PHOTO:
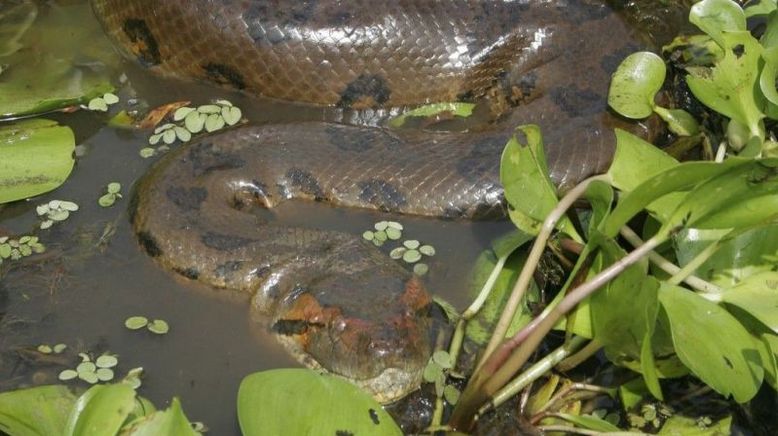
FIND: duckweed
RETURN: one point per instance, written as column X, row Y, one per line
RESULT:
column 112, row 194
column 100, row 104
column 55, row 211
column 15, row 249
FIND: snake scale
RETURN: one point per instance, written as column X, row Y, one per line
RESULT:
column 336, row 301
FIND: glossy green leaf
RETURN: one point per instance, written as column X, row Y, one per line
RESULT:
column 170, row 422
column 758, row 296
column 528, row 188
column 713, row 344
column 769, row 354
column 759, row 7
column 738, row 257
column 680, row 425
column 647, row 361
column 714, row 17
column 36, row 156
column 619, row 310
column 38, row 411
column 679, row 121
column 730, row 86
column 456, row 109
column 632, row 393
column 682, row 177
column 301, row 401
column 588, row 421
column 101, row 410
column 480, row 327
column 634, row 84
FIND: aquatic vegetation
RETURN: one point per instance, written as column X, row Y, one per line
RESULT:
column 100, row 104
column 55, row 211
column 157, row 326
column 15, row 249
column 113, row 193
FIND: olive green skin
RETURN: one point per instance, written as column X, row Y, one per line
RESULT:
column 334, row 299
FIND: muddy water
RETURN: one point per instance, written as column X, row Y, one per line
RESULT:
column 94, row 275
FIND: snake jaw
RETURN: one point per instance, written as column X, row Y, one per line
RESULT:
column 384, row 357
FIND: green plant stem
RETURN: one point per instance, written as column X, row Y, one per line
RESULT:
column 486, row 290
column 549, row 224
column 583, row 387
column 437, row 414
column 586, row 352
column 483, row 385
column 665, row 265
column 533, row 373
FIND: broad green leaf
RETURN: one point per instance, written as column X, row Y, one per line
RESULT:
column 588, row 421
column 600, row 196
column 540, row 399
column 456, row 109
column 679, row 121
column 714, row 17
column 760, row 7
column 632, row 393
column 681, row 177
column 712, row 343
column 101, row 410
column 620, row 309
column 170, row 422
column 647, row 361
column 14, row 22
column 301, row 401
column 508, row 243
column 36, row 156
column 769, row 74
column 634, row 84
column 39, row 411
column 680, row 425
column 730, row 86
column 769, row 354
column 480, row 327
column 743, row 196
column 757, row 295
column 528, row 188
column 739, row 256
column 61, row 64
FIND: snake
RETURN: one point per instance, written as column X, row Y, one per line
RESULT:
column 333, row 299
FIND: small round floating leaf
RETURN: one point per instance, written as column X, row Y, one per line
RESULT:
column 32, row 240
column 89, row 377
column 84, row 357
column 451, row 394
column 67, row 374
column 59, row 215
column 43, row 209
column 397, row 253
column 194, row 122
column 637, row 79
column 427, row 250
column 97, row 104
column 432, row 372
column 182, row 113
column 395, row 225
column 378, row 242
column 136, row 322
column 104, row 374
column 69, row 206
column 412, row 256
column 154, row 139
column 420, row 269
column 38, row 247
column 442, row 358
column 25, row 239
column 85, row 367
column 393, row 233
column 106, row 361
column 368, row 235
column 381, row 226
column 381, row 236
column 59, row 348
column 411, row 244
column 147, row 152
column 231, row 115
column 159, row 327
column 209, row 109
column 182, row 134
column 223, row 102
column 169, row 136
column 114, row 187
column 214, row 122
column 5, row 251
column 45, row 349
column 110, row 98
column 107, row 200
column 25, row 250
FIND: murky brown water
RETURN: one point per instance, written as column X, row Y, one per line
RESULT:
column 81, row 290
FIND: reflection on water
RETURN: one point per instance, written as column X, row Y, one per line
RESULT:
column 94, row 275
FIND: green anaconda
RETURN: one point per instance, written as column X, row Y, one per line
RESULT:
column 337, row 301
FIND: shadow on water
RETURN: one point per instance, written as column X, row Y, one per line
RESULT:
column 93, row 275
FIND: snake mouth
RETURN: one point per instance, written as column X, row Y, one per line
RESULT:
column 385, row 356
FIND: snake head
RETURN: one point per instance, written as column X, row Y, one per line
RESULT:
column 376, row 334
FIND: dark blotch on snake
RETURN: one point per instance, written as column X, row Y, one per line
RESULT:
column 149, row 244
column 224, row 242
column 144, row 45
column 381, row 194
column 365, row 87
column 187, row 199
